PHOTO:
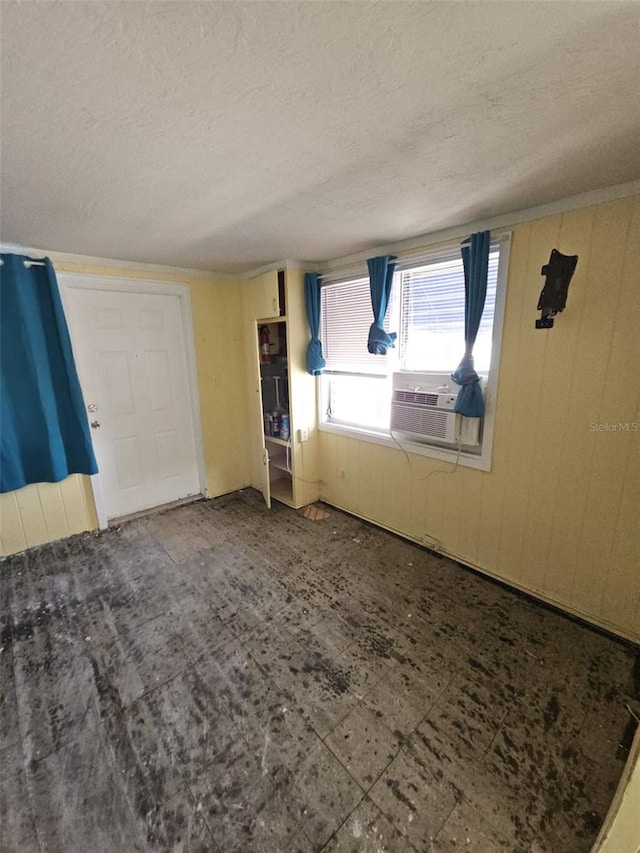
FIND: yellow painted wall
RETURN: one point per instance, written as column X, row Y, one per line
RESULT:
column 45, row 512
column 558, row 513
column 217, row 314
column 48, row 511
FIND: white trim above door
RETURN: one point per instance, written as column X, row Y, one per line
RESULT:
column 70, row 282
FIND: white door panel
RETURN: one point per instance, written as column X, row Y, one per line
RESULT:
column 131, row 358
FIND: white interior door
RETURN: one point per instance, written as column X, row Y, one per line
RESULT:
column 132, row 363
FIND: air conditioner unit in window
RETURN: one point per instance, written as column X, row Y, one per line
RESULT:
column 422, row 410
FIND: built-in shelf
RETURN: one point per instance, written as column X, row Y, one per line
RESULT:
column 274, row 440
column 270, row 321
column 281, row 491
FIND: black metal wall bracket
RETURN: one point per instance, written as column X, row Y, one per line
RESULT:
column 553, row 297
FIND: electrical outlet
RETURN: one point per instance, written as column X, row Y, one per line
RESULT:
column 303, row 434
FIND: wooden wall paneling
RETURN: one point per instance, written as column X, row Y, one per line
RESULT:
column 12, row 534
column 528, row 358
column 53, row 510
column 620, row 604
column 31, row 515
column 616, row 250
column 550, row 429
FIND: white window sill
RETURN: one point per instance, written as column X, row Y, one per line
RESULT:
column 481, row 461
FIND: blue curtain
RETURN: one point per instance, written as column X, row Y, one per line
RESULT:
column 315, row 361
column 43, row 427
column 381, row 271
column 475, row 258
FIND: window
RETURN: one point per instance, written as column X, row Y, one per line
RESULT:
column 432, row 321
column 427, row 311
column 359, row 389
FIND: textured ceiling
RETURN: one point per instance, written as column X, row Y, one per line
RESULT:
column 229, row 135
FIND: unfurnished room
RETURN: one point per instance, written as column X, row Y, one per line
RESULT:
column 320, row 426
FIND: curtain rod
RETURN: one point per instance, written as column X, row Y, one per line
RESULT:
column 28, row 263
column 358, row 268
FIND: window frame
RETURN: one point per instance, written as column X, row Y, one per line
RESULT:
column 482, row 460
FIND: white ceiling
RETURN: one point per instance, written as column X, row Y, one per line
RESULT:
column 225, row 136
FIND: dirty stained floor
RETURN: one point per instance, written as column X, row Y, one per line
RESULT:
column 222, row 678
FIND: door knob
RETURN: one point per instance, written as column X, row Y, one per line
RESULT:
column 95, row 425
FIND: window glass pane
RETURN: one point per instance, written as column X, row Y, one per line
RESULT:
column 359, row 400
column 432, row 332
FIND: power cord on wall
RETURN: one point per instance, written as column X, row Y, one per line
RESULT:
column 431, row 473
column 400, row 446
column 295, row 476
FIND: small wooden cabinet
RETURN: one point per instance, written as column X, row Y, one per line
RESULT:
column 264, row 296
column 284, row 469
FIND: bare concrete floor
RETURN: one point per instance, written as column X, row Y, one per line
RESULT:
column 223, row 678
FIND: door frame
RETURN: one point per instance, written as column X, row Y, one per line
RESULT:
column 84, row 281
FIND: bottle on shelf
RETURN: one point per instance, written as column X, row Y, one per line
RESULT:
column 279, row 413
column 285, row 427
